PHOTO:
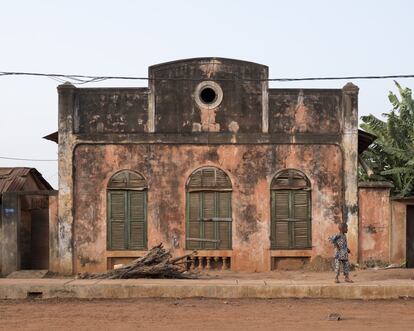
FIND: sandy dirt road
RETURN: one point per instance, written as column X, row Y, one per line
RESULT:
column 359, row 276
column 205, row 314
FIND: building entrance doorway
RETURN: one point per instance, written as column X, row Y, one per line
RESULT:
column 33, row 235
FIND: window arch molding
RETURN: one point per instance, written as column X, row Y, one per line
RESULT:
column 127, row 211
column 127, row 179
column 290, row 210
column 209, row 177
column 290, row 178
column 208, row 209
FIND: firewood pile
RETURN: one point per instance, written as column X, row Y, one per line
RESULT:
column 157, row 263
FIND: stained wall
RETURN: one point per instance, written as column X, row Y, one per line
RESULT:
column 167, row 168
column 398, row 232
column 374, row 222
column 241, row 85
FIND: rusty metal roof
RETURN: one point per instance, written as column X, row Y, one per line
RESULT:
column 364, row 140
column 13, row 179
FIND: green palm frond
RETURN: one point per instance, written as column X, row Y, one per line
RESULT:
column 373, row 124
column 396, row 171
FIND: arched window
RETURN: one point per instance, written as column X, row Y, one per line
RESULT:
column 127, row 212
column 208, row 210
column 291, row 220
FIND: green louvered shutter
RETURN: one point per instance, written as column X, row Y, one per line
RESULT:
column 290, row 219
column 117, row 220
column 209, row 213
column 209, row 177
column 224, row 226
column 301, row 225
column 137, row 219
column 209, row 210
column 280, row 226
column 194, row 220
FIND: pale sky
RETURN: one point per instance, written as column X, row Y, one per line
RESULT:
column 294, row 38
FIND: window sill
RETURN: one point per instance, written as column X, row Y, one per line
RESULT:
column 126, row 253
column 291, row 252
column 212, row 252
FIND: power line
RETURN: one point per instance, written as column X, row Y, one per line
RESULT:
column 21, row 159
column 83, row 79
column 337, row 78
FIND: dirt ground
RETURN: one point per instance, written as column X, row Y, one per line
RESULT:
column 358, row 275
column 214, row 314
column 205, row 314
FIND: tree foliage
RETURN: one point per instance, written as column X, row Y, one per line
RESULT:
column 391, row 156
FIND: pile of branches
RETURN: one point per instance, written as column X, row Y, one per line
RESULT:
column 158, row 263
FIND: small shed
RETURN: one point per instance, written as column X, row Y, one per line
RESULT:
column 24, row 219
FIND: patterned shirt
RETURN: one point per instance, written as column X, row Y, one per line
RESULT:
column 341, row 245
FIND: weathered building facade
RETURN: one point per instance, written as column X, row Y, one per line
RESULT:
column 208, row 157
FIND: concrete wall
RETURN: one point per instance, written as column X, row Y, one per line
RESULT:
column 398, row 232
column 241, row 107
column 374, row 222
column 167, row 168
column 10, row 229
column 382, row 224
column 111, row 111
column 305, row 111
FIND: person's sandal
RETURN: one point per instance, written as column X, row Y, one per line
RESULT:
column 347, row 280
column 337, row 281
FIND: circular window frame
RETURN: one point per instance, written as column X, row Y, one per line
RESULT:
column 215, row 87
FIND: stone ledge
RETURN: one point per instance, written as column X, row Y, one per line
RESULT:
column 266, row 289
column 383, row 184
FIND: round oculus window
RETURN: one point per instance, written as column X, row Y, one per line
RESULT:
column 208, row 94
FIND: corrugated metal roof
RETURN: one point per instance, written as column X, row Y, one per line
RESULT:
column 364, row 140
column 13, row 179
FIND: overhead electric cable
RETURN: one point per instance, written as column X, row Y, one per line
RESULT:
column 22, row 159
column 84, row 79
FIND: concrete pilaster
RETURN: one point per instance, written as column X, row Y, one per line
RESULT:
column 151, row 105
column 350, row 165
column 54, row 258
column 64, row 250
column 265, row 106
